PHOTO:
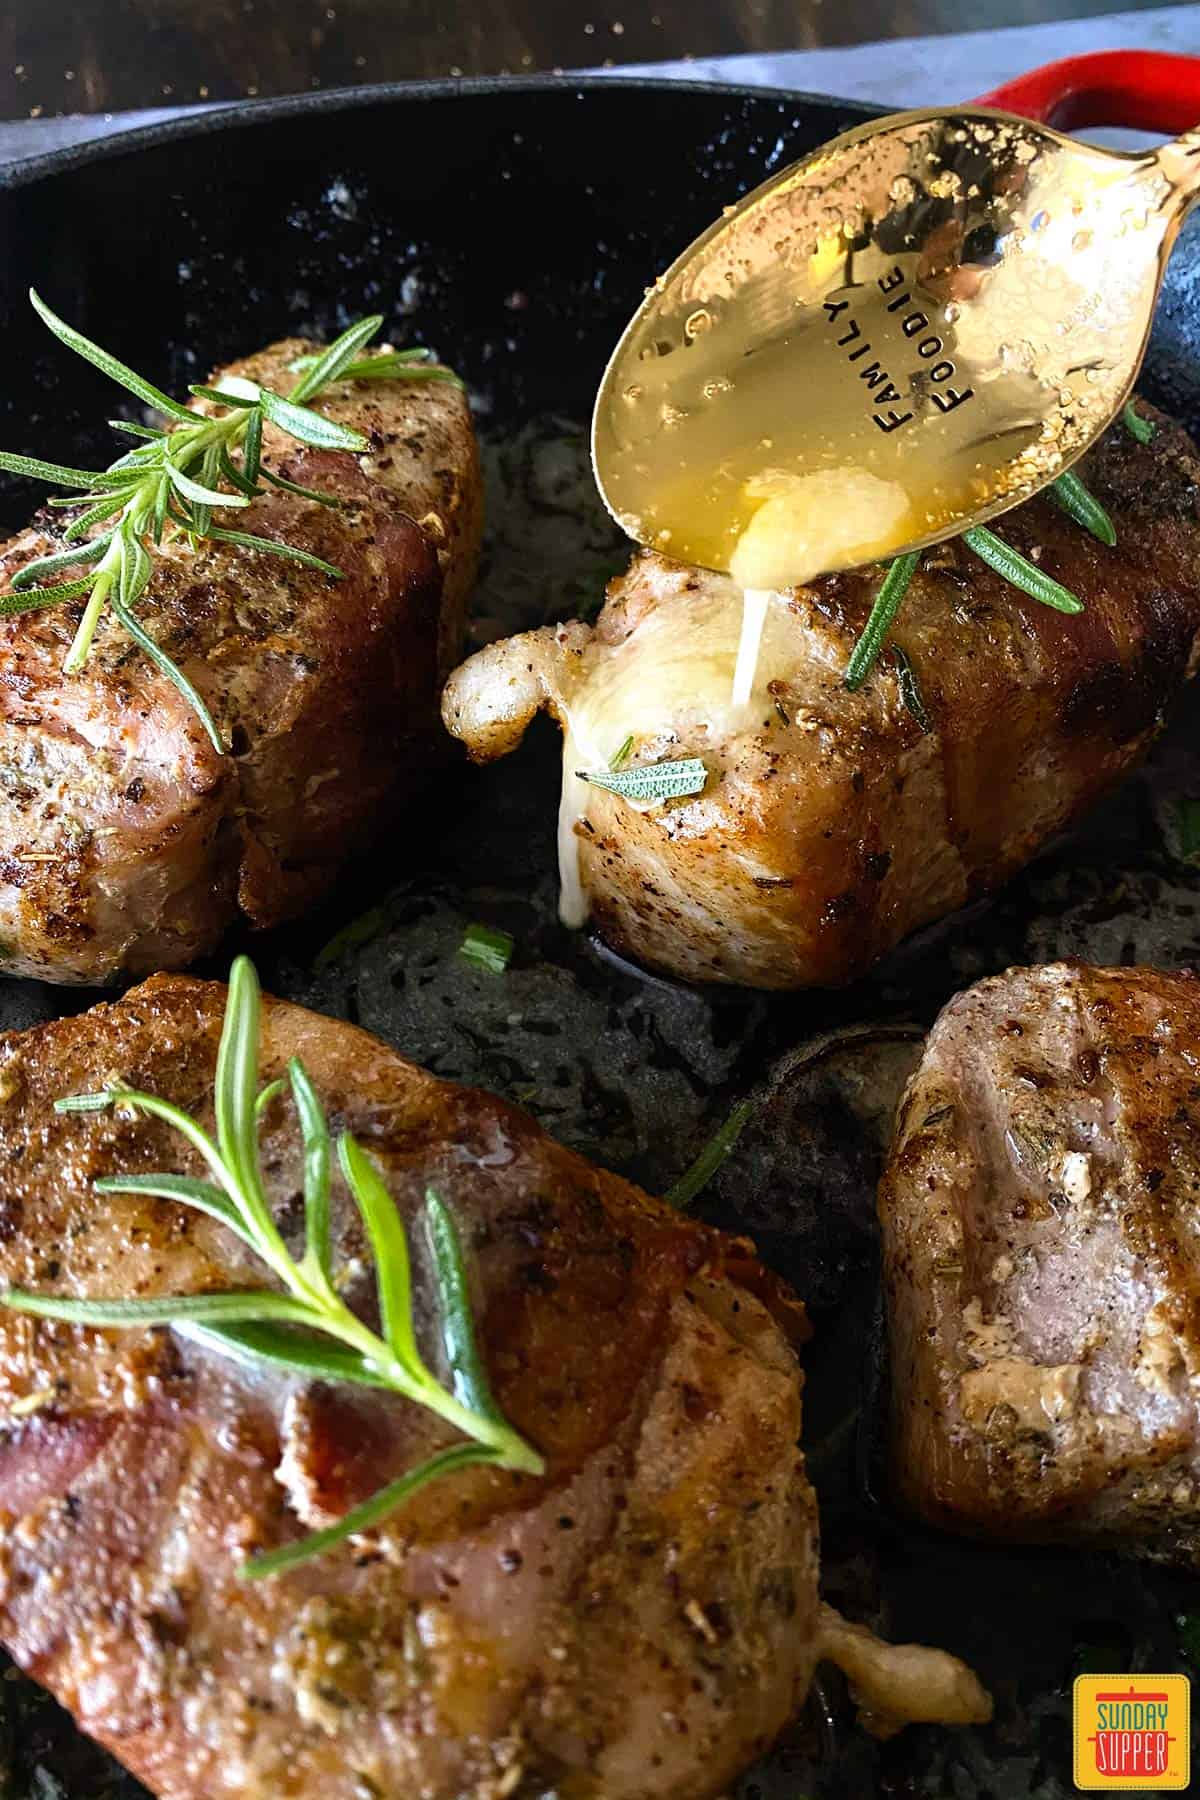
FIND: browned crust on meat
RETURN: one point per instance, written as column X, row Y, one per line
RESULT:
column 635, row 1625
column 1042, row 1269
column 127, row 842
column 422, row 450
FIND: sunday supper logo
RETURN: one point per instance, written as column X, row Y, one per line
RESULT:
column 1132, row 1733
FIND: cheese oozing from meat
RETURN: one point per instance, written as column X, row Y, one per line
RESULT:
column 669, row 686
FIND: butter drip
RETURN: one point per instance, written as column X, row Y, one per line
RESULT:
column 804, row 525
column 755, row 602
column 669, row 686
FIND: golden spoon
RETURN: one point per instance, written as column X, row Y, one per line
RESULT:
column 902, row 335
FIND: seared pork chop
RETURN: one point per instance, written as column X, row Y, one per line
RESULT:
column 1043, row 1265
column 636, row 1624
column 127, row 842
column 834, row 823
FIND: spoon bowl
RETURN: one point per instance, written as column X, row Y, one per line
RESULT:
column 909, row 331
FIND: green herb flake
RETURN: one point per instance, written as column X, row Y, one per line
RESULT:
column 1100, row 1659
column 1137, row 427
column 303, row 1324
column 910, row 689
column 623, row 755
column 353, row 936
column 654, row 782
column 487, row 949
column 1186, row 830
column 711, row 1156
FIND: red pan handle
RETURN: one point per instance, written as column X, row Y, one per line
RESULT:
column 1148, row 89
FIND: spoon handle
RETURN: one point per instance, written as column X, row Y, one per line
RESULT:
column 1149, row 90
column 1179, row 161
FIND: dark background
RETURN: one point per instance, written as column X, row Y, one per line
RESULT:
column 105, row 55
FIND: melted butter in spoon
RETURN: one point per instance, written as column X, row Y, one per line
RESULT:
column 804, row 524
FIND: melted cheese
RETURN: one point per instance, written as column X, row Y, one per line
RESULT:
column 1035, row 1392
column 669, row 684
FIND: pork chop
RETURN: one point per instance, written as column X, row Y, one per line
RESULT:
column 636, row 1624
column 1043, row 1262
column 128, row 843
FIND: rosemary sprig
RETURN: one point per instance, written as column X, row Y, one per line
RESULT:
column 887, row 605
column 394, row 365
column 1074, row 499
column 173, row 479
column 303, row 1324
column 1016, row 569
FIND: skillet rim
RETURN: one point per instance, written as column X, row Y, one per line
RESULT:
column 240, row 114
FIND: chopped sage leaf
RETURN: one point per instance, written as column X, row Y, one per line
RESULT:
column 651, row 781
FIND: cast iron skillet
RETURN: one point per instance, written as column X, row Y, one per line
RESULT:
column 514, row 225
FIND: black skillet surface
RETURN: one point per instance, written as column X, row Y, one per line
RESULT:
column 514, row 226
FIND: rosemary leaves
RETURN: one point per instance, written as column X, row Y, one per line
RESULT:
column 176, row 477
column 1068, row 491
column 302, row 1324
